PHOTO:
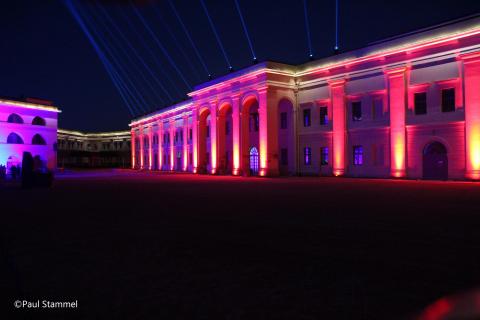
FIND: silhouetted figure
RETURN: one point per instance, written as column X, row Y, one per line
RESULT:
column 27, row 170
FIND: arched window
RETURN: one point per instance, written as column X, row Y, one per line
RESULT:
column 253, row 161
column 14, row 138
column 38, row 140
column 38, row 121
column 15, row 118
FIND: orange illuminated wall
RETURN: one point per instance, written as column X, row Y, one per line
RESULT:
column 337, row 95
column 471, row 72
column 397, row 103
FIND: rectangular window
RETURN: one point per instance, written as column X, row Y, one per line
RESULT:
column 323, row 116
column 358, row 155
column 324, row 156
column 306, row 118
column 420, row 103
column 377, row 109
column 307, row 156
column 256, row 121
column 283, row 120
column 356, row 111
column 284, row 156
column 227, row 128
column 448, row 100
column 253, row 124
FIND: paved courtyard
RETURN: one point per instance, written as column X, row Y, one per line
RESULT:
column 131, row 245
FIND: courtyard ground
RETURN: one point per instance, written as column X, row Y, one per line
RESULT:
column 136, row 245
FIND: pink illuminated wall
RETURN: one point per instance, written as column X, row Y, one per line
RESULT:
column 471, row 62
column 337, row 93
column 397, row 104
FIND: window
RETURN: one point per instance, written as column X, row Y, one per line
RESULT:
column 356, row 111
column 14, row 118
column 254, row 122
column 324, row 156
column 190, row 134
column 37, row 121
column 283, row 120
column 14, row 138
column 307, row 156
column 284, row 156
column 208, row 131
column 358, row 155
column 377, row 109
column 227, row 128
column 420, row 101
column 448, row 100
column 306, row 118
column 38, row 140
column 323, row 116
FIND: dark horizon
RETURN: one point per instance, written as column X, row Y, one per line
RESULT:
column 46, row 54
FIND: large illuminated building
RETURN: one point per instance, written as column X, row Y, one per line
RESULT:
column 93, row 150
column 28, row 125
column 406, row 107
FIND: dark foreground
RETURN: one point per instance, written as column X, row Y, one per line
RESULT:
column 131, row 245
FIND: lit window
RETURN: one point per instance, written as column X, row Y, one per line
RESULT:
column 356, row 111
column 448, row 100
column 307, row 156
column 323, row 115
column 358, row 155
column 306, row 118
column 420, row 101
column 324, row 156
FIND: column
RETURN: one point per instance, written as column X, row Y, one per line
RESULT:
column 397, row 92
column 171, row 129
column 185, row 142
column 132, row 144
column 236, row 134
column 213, row 136
column 471, row 82
column 160, row 143
column 263, row 131
column 195, row 138
column 150, row 148
column 337, row 95
column 141, row 148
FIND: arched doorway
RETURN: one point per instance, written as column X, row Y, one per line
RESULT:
column 435, row 161
column 225, row 139
column 250, row 128
column 253, row 161
column 204, row 141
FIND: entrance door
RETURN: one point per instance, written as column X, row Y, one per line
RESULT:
column 253, row 161
column 435, row 162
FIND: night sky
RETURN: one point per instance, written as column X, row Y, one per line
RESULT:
column 45, row 54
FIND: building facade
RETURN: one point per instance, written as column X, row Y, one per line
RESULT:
column 28, row 126
column 406, row 107
column 93, row 150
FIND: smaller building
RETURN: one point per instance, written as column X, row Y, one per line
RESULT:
column 93, row 150
column 28, row 125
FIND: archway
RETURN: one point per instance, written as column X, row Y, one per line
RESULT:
column 286, row 152
column 225, row 139
column 204, row 141
column 253, row 161
column 435, row 161
column 250, row 127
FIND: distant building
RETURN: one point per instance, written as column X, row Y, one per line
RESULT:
column 93, row 150
column 406, row 107
column 28, row 125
